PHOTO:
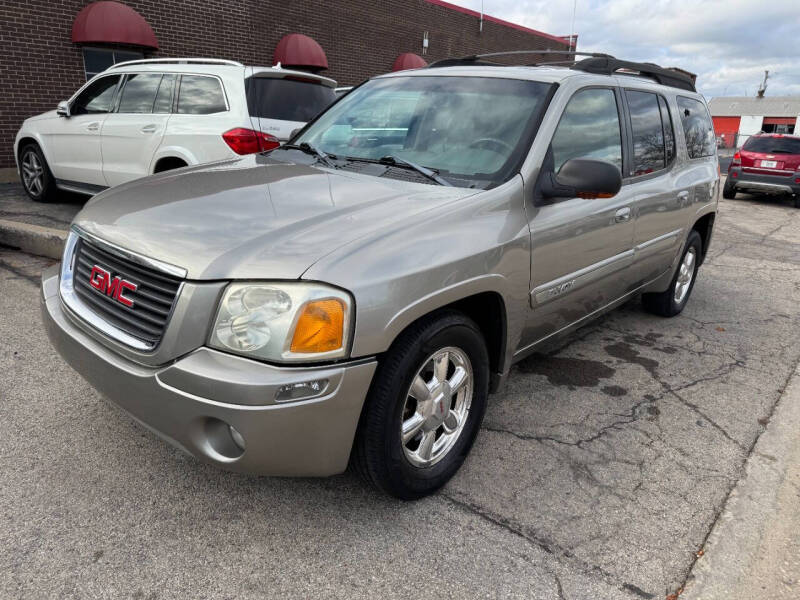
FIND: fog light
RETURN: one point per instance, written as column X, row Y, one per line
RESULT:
column 302, row 390
column 237, row 437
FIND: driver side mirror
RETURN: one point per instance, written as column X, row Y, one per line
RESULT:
column 582, row 178
column 63, row 109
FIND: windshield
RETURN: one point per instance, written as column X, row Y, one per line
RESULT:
column 287, row 99
column 772, row 145
column 474, row 131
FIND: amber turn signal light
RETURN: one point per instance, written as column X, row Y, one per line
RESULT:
column 320, row 327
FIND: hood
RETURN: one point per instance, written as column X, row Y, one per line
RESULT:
column 50, row 114
column 254, row 217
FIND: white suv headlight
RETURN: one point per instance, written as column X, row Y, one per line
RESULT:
column 283, row 322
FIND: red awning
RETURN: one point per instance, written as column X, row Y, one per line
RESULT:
column 408, row 60
column 298, row 50
column 112, row 23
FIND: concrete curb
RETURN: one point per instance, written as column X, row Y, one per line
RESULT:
column 34, row 239
column 746, row 550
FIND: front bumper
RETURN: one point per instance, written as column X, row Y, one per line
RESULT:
column 188, row 402
column 766, row 184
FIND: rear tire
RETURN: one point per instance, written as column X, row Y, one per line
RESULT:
column 728, row 191
column 797, row 201
column 37, row 179
column 412, row 397
column 673, row 300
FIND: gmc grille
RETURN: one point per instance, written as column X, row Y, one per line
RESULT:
column 153, row 298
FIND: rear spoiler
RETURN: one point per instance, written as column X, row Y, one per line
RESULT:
column 278, row 72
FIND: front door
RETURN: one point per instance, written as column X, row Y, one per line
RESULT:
column 581, row 249
column 74, row 141
column 132, row 134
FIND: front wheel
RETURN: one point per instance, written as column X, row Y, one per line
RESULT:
column 424, row 408
column 672, row 301
column 36, row 176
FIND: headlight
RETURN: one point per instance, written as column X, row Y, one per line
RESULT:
column 283, row 322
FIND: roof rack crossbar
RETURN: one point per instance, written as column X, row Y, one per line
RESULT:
column 178, row 61
column 608, row 65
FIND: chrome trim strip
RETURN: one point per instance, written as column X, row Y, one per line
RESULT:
column 658, row 240
column 158, row 265
column 73, row 302
column 557, row 287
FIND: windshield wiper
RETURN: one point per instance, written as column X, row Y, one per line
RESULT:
column 314, row 151
column 396, row 161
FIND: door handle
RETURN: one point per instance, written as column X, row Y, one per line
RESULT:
column 622, row 215
column 148, row 129
column 93, row 126
column 683, row 198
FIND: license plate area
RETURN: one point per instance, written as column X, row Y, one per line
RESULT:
column 769, row 164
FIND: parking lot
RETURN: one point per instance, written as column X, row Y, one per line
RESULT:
column 599, row 471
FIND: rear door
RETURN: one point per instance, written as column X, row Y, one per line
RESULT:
column 656, row 178
column 280, row 103
column 74, row 141
column 131, row 135
column 581, row 249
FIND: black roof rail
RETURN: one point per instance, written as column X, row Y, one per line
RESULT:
column 596, row 62
column 479, row 59
column 608, row 65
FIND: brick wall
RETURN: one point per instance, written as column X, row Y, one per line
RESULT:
column 39, row 64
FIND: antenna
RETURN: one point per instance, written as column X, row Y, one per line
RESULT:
column 572, row 26
column 763, row 87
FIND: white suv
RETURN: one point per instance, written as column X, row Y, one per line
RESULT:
column 146, row 116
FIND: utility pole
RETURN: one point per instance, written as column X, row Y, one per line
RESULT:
column 763, row 87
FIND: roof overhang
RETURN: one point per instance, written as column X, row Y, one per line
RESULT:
column 108, row 22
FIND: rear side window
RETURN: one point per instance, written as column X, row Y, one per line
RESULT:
column 200, row 95
column 139, row 93
column 649, row 153
column 163, row 103
column 287, row 99
column 589, row 128
column 772, row 145
column 697, row 128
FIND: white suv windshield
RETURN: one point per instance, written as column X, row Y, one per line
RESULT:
column 474, row 129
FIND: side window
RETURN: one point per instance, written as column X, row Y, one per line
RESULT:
column 647, row 132
column 669, row 131
column 697, row 127
column 589, row 128
column 200, row 95
column 139, row 93
column 163, row 103
column 97, row 97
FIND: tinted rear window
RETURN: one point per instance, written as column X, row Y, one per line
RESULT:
column 287, row 99
column 697, row 128
column 772, row 145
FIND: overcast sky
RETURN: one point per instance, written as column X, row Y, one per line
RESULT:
column 728, row 43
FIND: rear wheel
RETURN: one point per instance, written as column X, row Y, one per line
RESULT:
column 36, row 176
column 728, row 191
column 424, row 408
column 797, row 201
column 672, row 301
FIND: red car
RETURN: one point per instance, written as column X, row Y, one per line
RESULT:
column 768, row 163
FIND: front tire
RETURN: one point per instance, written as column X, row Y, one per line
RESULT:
column 673, row 300
column 37, row 180
column 424, row 408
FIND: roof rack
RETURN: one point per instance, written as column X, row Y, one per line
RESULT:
column 596, row 62
column 177, row 61
column 608, row 65
column 479, row 59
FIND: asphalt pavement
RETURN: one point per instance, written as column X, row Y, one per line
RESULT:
column 599, row 472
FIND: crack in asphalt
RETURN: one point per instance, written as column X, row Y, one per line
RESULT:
column 19, row 272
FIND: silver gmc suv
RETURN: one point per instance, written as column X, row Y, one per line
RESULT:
column 354, row 296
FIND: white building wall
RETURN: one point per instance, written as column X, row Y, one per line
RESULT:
column 749, row 125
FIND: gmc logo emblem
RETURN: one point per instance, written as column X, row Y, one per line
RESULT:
column 101, row 280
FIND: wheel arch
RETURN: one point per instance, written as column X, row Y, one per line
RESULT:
column 704, row 226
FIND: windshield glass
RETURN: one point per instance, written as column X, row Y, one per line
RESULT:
column 287, row 99
column 773, row 145
column 472, row 130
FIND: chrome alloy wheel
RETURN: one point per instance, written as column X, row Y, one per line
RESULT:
column 437, row 406
column 32, row 173
column 685, row 275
